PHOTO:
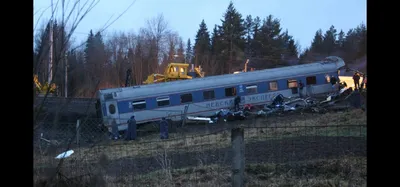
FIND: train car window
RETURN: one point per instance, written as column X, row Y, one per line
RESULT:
column 230, row 92
column 108, row 96
column 292, row 84
column 327, row 79
column 111, row 108
column 186, row 98
column 162, row 101
column 273, row 85
column 209, row 95
column 311, row 80
column 252, row 89
column 139, row 105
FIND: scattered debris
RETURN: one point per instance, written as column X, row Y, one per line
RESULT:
column 65, row 154
column 280, row 105
column 192, row 118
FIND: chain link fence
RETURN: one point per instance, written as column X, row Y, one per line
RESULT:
column 309, row 150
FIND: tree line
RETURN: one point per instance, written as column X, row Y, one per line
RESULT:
column 102, row 62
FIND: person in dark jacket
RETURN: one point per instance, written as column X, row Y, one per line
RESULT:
column 333, row 82
column 237, row 102
column 131, row 130
column 301, row 86
column 356, row 79
column 163, row 128
column 365, row 82
column 114, row 130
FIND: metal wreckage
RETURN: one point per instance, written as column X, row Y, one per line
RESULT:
column 344, row 98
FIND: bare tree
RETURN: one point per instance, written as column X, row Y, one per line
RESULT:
column 157, row 30
column 118, row 47
column 70, row 19
column 80, row 11
column 169, row 55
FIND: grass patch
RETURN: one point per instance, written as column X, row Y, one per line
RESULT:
column 345, row 171
column 265, row 129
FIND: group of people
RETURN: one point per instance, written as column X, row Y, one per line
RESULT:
column 309, row 89
column 356, row 79
column 335, row 82
column 131, row 134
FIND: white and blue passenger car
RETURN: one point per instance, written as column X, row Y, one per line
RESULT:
column 205, row 96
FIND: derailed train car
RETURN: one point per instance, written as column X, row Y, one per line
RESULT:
column 205, row 96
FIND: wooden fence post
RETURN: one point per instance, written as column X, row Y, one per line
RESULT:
column 77, row 131
column 237, row 140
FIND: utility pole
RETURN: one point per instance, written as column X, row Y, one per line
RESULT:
column 50, row 70
column 230, row 54
column 50, row 77
column 66, row 76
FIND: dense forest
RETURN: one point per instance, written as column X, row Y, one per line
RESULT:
column 102, row 62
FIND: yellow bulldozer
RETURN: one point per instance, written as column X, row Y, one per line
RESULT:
column 42, row 89
column 173, row 72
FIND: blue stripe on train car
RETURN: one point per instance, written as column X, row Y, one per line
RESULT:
column 197, row 96
column 321, row 79
column 302, row 79
column 151, row 103
column 262, row 87
column 175, row 99
column 282, row 84
column 219, row 93
column 124, row 107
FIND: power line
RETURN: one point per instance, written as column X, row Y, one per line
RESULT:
column 104, row 34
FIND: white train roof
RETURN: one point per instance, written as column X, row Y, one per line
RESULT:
column 331, row 63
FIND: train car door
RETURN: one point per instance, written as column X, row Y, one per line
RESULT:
column 112, row 111
column 241, row 92
column 311, row 81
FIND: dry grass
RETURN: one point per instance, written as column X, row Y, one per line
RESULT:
column 329, row 125
column 346, row 171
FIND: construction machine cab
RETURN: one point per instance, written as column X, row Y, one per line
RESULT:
column 174, row 71
column 177, row 71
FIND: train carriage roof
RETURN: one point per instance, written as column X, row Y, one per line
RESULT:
column 329, row 64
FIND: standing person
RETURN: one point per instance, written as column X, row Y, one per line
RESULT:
column 365, row 81
column 333, row 82
column 301, row 86
column 114, row 130
column 237, row 102
column 131, row 130
column 163, row 128
column 356, row 79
